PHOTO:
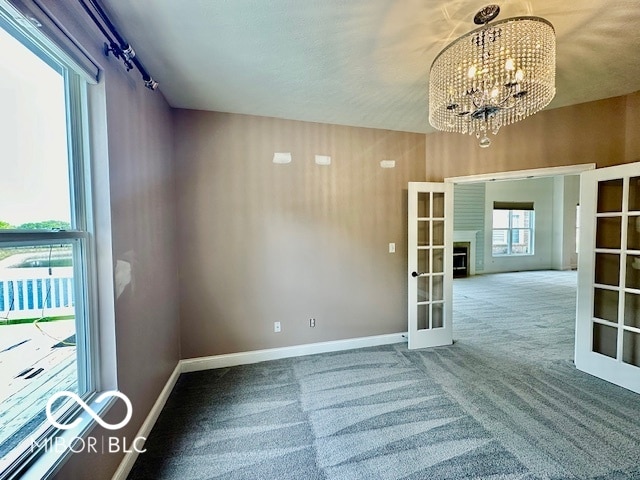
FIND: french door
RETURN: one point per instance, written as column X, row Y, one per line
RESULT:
column 430, row 271
column 608, row 310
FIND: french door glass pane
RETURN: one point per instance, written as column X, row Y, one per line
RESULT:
column 631, row 348
column 610, row 196
column 632, row 310
column 424, row 237
column 438, row 205
column 605, row 340
column 608, row 232
column 607, row 269
column 605, row 304
column 633, row 233
column 438, row 316
column 423, row 260
column 423, row 317
column 424, row 204
column 437, row 293
column 634, row 194
column 423, row 289
column 633, row 272
column 438, row 260
column 438, row 232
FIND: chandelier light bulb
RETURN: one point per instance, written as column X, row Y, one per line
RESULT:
column 477, row 84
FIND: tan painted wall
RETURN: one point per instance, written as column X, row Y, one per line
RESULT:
column 602, row 132
column 261, row 243
column 632, row 152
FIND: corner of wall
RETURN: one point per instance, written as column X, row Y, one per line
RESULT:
column 632, row 127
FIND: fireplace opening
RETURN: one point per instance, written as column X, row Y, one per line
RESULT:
column 461, row 259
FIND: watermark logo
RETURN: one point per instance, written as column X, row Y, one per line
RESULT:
column 103, row 396
column 110, row 444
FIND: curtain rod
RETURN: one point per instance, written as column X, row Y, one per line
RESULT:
column 118, row 45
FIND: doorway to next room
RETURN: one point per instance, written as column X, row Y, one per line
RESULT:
column 515, row 265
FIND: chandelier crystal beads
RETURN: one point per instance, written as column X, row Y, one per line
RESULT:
column 493, row 76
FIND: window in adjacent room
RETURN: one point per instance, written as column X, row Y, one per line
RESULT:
column 513, row 228
column 46, row 341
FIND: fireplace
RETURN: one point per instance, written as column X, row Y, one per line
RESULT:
column 464, row 244
column 461, row 259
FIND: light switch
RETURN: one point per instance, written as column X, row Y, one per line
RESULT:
column 392, row 248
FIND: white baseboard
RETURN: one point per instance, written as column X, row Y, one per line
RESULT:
column 243, row 358
column 255, row 356
column 130, row 457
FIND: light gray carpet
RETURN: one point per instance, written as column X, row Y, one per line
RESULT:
column 504, row 402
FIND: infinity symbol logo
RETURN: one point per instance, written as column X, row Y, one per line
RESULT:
column 89, row 410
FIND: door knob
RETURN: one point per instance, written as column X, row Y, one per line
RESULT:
column 416, row 274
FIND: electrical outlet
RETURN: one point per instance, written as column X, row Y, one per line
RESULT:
column 276, row 327
column 312, row 322
column 392, row 248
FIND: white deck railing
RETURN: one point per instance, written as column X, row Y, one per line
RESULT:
column 34, row 292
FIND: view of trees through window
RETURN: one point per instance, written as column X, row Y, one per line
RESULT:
column 42, row 225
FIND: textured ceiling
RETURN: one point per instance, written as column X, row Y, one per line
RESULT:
column 356, row 62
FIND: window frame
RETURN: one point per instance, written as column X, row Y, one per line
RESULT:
column 82, row 235
column 509, row 233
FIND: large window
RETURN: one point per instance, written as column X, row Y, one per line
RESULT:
column 46, row 336
column 513, row 228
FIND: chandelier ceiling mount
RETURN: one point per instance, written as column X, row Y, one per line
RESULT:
column 487, row 14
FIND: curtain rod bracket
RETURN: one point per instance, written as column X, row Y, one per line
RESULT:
column 118, row 46
column 117, row 53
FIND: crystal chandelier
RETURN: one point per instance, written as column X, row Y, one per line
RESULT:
column 495, row 75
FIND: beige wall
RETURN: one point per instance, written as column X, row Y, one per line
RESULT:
column 602, row 132
column 632, row 151
column 261, row 243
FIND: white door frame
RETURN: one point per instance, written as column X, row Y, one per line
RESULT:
column 523, row 174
